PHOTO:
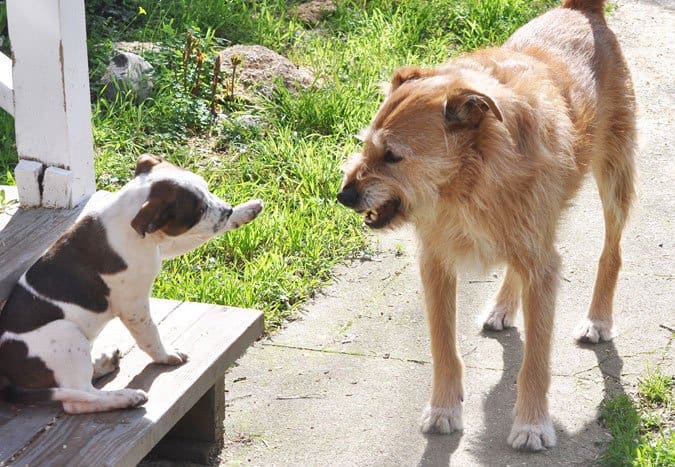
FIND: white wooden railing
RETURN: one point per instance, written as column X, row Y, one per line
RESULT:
column 45, row 86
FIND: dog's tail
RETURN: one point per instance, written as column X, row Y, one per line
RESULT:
column 18, row 395
column 590, row 6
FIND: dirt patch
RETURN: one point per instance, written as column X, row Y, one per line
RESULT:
column 313, row 12
column 260, row 68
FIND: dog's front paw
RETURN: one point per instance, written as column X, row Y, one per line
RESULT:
column 498, row 318
column 532, row 437
column 593, row 331
column 173, row 358
column 442, row 420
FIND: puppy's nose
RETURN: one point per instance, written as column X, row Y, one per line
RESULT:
column 228, row 211
column 348, row 195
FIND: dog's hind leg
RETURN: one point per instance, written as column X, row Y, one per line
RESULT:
column 532, row 428
column 502, row 312
column 614, row 173
column 444, row 413
column 69, row 359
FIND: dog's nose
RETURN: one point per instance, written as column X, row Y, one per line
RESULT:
column 228, row 211
column 348, row 195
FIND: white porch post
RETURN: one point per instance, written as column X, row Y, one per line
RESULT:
column 51, row 102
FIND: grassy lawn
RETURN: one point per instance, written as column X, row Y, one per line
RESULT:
column 291, row 158
column 642, row 428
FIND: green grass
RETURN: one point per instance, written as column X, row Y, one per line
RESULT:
column 292, row 157
column 642, row 429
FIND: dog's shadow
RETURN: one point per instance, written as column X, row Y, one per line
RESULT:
column 439, row 449
column 143, row 379
column 497, row 406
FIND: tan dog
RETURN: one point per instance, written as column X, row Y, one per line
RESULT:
column 481, row 155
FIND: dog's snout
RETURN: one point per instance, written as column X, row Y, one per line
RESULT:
column 348, row 195
column 227, row 212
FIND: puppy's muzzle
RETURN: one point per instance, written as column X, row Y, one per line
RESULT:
column 348, row 196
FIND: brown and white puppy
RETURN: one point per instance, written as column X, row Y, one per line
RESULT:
column 481, row 155
column 101, row 268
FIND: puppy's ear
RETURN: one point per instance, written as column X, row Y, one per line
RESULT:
column 146, row 162
column 402, row 75
column 467, row 109
column 155, row 212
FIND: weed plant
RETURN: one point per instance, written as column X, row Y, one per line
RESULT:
column 290, row 155
column 642, row 428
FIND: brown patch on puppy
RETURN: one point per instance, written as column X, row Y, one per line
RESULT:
column 171, row 208
column 25, row 312
column 22, row 370
column 86, row 245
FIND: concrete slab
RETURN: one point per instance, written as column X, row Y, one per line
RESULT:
column 346, row 382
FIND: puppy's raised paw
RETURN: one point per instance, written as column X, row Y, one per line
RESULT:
column 532, row 437
column 244, row 213
column 441, row 420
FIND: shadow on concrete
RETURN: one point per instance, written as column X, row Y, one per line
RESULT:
column 499, row 402
column 439, row 449
column 610, row 365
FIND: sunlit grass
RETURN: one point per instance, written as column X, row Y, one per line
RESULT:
column 291, row 157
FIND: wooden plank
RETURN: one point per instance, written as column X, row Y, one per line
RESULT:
column 27, row 233
column 213, row 342
column 22, row 423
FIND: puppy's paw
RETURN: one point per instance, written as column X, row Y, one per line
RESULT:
column 106, row 363
column 498, row 318
column 244, row 213
column 532, row 437
column 136, row 397
column 174, row 358
column 593, row 332
column 441, row 420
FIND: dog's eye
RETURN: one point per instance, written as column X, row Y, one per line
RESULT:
column 391, row 158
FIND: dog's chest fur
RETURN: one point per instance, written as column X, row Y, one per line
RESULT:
column 461, row 238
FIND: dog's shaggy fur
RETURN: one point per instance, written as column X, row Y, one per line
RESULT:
column 481, row 155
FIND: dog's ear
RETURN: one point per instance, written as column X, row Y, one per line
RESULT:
column 402, row 75
column 155, row 212
column 467, row 109
column 146, row 162
column 152, row 216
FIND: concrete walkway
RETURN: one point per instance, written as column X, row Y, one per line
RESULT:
column 345, row 384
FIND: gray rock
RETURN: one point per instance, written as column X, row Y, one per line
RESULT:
column 128, row 72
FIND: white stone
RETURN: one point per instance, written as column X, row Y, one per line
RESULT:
column 128, row 72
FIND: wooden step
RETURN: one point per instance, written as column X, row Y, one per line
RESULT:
column 212, row 336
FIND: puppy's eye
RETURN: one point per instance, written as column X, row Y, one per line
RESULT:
column 391, row 158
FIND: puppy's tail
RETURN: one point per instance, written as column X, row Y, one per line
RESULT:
column 590, row 6
column 18, row 395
